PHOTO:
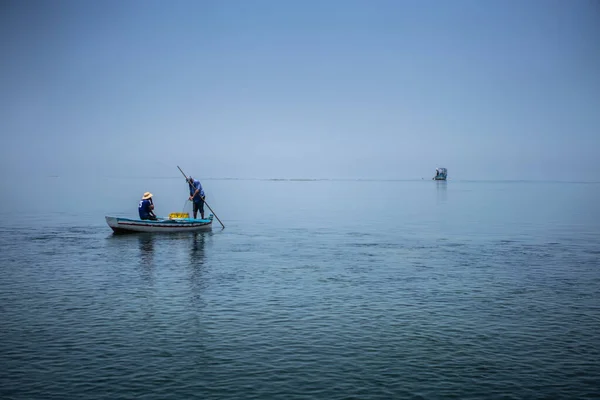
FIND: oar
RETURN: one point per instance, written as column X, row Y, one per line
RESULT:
column 211, row 210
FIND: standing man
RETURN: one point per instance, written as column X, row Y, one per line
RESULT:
column 196, row 196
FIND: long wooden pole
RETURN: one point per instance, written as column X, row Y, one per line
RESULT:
column 211, row 210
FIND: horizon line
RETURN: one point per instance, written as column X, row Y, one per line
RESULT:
column 280, row 179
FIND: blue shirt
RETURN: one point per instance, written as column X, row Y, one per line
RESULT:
column 144, row 209
column 200, row 194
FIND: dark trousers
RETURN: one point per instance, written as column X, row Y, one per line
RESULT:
column 199, row 206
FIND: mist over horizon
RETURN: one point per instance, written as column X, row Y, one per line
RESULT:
column 341, row 90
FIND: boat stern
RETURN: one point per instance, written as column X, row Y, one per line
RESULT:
column 112, row 222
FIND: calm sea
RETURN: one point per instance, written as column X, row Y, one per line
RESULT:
column 315, row 290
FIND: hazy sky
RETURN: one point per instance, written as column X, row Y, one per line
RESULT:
column 332, row 89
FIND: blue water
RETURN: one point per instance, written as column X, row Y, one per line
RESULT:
column 315, row 289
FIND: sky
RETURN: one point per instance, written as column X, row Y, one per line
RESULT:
column 301, row 89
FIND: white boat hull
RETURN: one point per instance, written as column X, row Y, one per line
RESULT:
column 125, row 225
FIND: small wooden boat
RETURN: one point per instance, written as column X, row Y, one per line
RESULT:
column 126, row 225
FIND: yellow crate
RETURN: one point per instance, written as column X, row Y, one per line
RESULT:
column 179, row 215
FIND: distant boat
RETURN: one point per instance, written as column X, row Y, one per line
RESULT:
column 440, row 174
column 126, row 225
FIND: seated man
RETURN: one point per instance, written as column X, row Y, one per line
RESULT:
column 146, row 206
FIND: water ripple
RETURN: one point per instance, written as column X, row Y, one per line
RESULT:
column 309, row 312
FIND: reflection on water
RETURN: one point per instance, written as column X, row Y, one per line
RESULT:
column 197, row 249
column 442, row 191
column 146, row 248
column 197, row 259
column 196, row 271
column 158, row 256
column 146, row 244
